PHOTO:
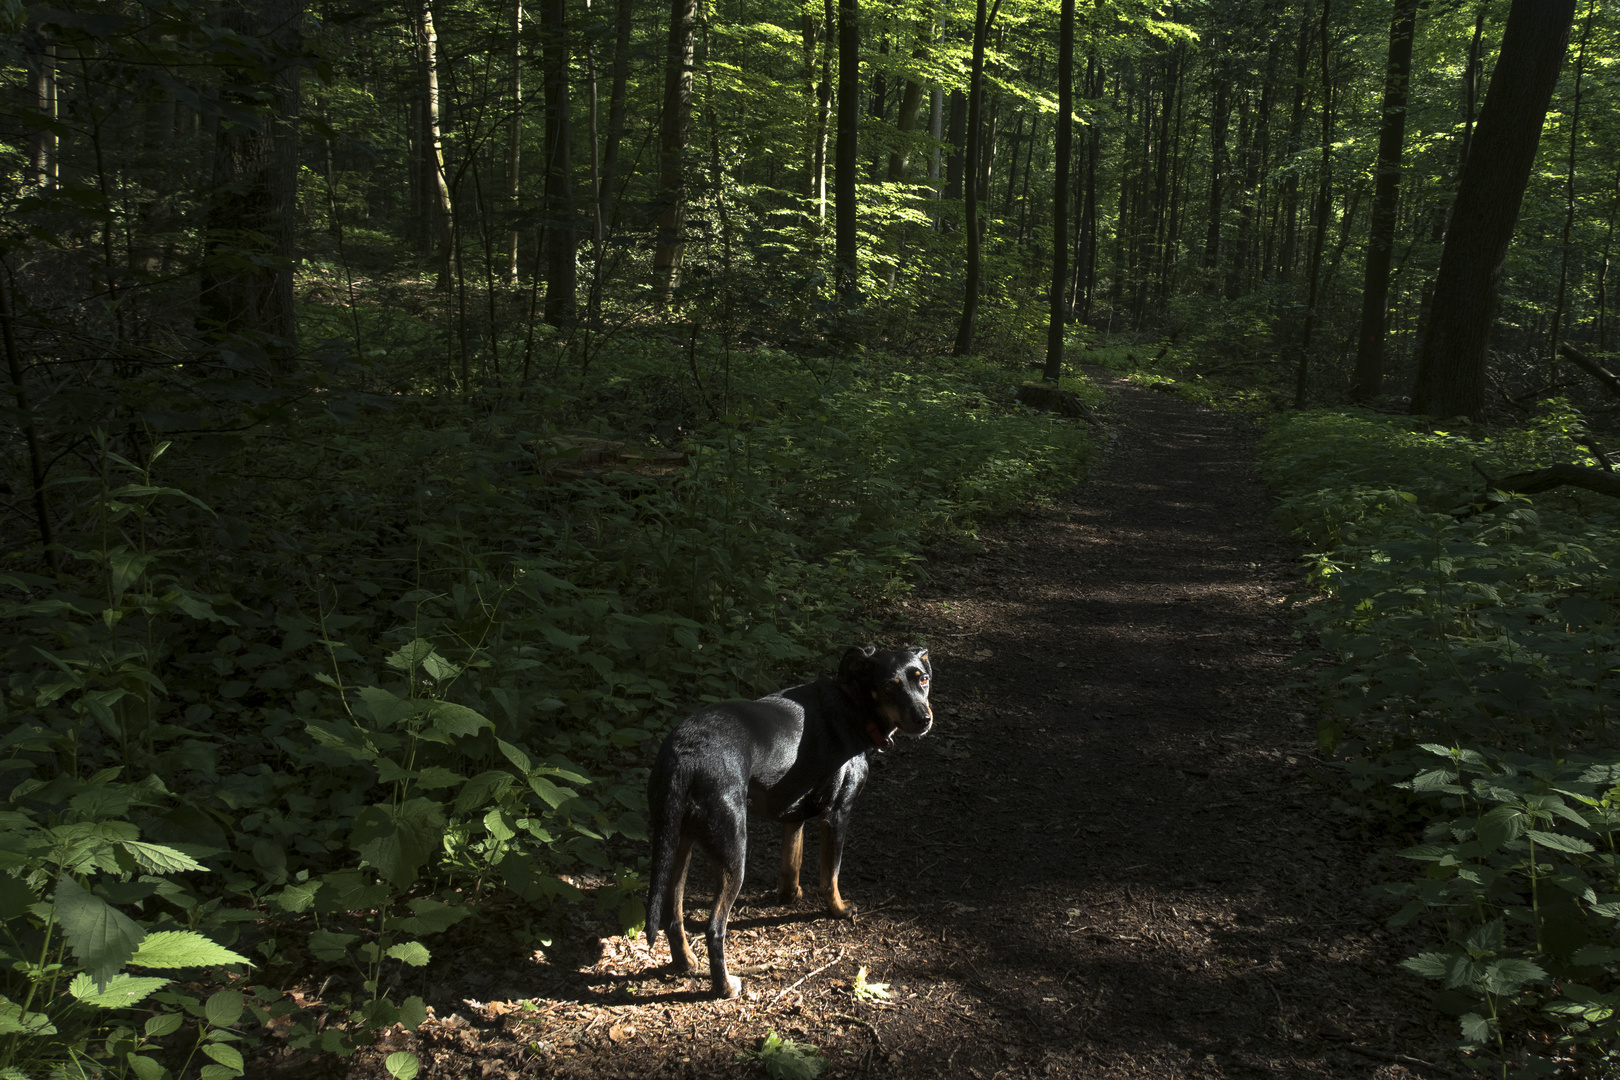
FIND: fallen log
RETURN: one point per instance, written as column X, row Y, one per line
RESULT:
column 1589, row 477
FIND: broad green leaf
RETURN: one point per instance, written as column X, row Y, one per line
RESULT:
column 495, row 822
column 458, row 720
column 224, row 1008
column 1476, row 1030
column 102, row 937
column 432, row 916
column 1559, row 842
column 413, row 953
column 402, row 1065
column 121, row 990
column 1429, row 965
column 435, row 777
column 330, row 945
column 398, row 840
column 160, row 859
column 413, row 1014
column 1594, row 955
column 224, row 1053
column 182, row 949
column 514, row 755
column 563, row 640
column 146, row 1068
column 553, row 795
column 438, row 667
column 163, row 1024
column 408, row 656
column 1508, row 975
column 1500, row 825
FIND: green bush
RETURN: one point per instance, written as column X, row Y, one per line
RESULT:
column 1460, row 622
column 344, row 678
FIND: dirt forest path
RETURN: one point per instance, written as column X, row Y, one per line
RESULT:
column 1111, row 859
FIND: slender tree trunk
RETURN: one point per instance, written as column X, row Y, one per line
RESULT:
column 1220, row 112
column 436, row 180
column 970, row 299
column 1324, row 210
column 818, row 162
column 1369, row 375
column 1604, row 262
column 25, row 420
column 956, row 136
column 562, row 272
column 514, row 148
column 674, row 134
column 623, row 22
column 1569, row 188
column 1296, row 127
column 1055, row 319
column 846, row 240
column 1451, row 365
column 1472, row 74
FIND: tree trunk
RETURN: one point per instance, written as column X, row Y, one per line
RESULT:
column 249, row 245
column 1220, row 111
column 1296, row 123
column 905, row 120
column 562, row 273
column 1569, row 185
column 1451, row 366
column 818, row 146
column 956, row 163
column 1324, row 210
column 846, row 241
column 42, row 94
column 1055, row 319
column 435, row 180
column 1369, row 375
column 623, row 22
column 514, row 149
column 674, row 132
column 970, row 298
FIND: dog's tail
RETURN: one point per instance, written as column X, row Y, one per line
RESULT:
column 666, row 803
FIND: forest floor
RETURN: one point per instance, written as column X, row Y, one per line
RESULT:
column 1114, row 856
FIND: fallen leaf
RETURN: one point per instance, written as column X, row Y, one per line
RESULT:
column 620, row 1032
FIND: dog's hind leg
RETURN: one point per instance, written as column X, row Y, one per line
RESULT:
column 729, row 827
column 680, row 950
column 832, row 854
column 788, row 891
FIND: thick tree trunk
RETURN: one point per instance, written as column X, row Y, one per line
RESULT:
column 1451, row 366
column 42, row 95
column 1056, row 314
column 249, row 246
column 1369, row 375
column 846, row 240
column 674, row 133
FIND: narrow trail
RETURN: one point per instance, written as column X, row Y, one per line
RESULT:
column 1114, row 857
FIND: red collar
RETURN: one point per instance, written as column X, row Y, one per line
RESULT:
column 881, row 739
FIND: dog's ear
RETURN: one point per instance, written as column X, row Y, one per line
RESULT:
column 856, row 666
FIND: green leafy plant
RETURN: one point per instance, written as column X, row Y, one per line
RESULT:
column 865, row 989
column 784, row 1059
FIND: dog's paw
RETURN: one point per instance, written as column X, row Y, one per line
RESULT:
column 789, row 897
column 732, row 989
column 842, row 909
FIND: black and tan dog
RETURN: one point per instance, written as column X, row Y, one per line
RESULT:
column 798, row 754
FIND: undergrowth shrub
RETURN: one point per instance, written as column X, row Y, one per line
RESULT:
column 1467, row 660
column 305, row 696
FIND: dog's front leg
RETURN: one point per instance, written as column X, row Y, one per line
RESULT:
column 788, row 891
column 832, row 854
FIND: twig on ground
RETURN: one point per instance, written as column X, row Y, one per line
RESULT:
column 1403, row 1059
column 790, row 988
column 867, row 1024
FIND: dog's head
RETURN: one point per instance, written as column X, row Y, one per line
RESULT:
column 895, row 681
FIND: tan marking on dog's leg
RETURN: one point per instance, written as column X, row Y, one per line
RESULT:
column 788, row 890
column 680, row 950
column 836, row 907
column 725, row 984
